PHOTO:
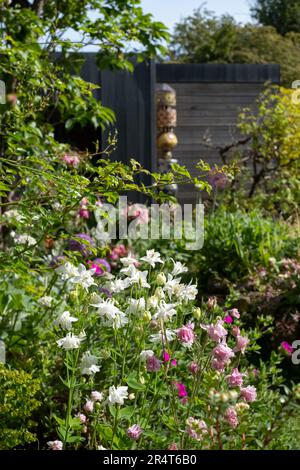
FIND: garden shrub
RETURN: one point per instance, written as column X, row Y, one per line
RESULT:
column 266, row 152
column 237, row 242
column 18, row 402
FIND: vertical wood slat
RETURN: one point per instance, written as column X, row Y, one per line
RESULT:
column 132, row 98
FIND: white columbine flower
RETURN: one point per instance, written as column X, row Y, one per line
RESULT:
column 46, row 301
column 84, row 277
column 109, row 312
column 144, row 355
column 152, row 257
column 189, row 292
column 88, row 364
column 118, row 285
column 13, row 214
column 128, row 260
column 173, row 286
column 71, row 341
column 106, row 308
column 117, row 395
column 138, row 277
column 165, row 311
column 65, row 320
column 119, row 320
column 178, row 268
column 136, row 306
column 152, row 301
column 68, row 271
column 23, row 239
column 162, row 336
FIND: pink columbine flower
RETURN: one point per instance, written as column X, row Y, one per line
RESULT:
column 83, row 211
column 223, row 353
column 96, row 396
column 241, row 344
column 234, row 313
column 287, row 347
column 166, row 356
column 236, row 331
column 249, row 393
column 134, row 432
column 228, row 319
column 216, row 332
column 231, row 417
column 235, row 379
column 194, row 368
column 118, row 252
column 84, row 214
column 72, row 160
column 196, row 428
column 174, row 362
column 173, row 446
column 218, row 365
column 181, row 390
column 55, row 445
column 153, row 364
column 89, row 406
column 186, row 335
column 82, row 418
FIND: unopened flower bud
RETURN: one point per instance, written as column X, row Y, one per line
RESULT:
column 74, row 295
column 233, row 394
column 212, row 303
column 147, row 316
column 159, row 293
column 242, row 406
column 161, row 279
column 224, row 397
column 153, row 325
column 196, row 313
column 131, row 396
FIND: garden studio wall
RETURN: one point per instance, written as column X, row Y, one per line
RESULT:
column 209, row 98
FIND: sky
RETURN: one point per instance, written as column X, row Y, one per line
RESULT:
column 171, row 11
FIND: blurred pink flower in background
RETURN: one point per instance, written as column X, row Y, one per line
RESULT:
column 287, row 347
column 100, row 265
column 72, row 160
column 138, row 211
column 217, row 179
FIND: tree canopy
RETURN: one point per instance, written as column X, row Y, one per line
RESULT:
column 284, row 15
column 205, row 38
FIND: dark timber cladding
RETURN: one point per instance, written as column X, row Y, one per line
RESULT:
column 132, row 97
column 209, row 99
